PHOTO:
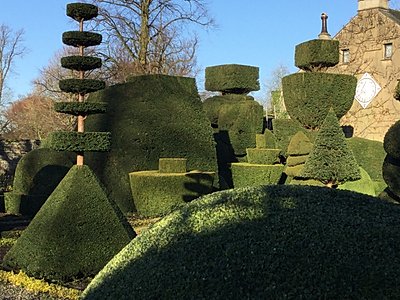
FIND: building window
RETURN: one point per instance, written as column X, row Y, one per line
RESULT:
column 346, row 56
column 388, row 51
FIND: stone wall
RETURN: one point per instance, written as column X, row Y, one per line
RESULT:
column 10, row 153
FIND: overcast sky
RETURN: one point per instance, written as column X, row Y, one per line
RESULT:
column 261, row 33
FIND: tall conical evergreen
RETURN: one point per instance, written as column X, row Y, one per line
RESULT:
column 331, row 161
column 78, row 229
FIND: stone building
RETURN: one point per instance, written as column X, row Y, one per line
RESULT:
column 369, row 49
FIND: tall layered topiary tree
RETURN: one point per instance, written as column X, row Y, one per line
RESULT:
column 331, row 161
column 78, row 229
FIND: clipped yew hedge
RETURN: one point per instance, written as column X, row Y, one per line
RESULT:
column 81, row 63
column 232, row 78
column 79, row 141
column 309, row 96
column 151, row 116
column 81, row 86
column 82, row 11
column 81, row 38
column 75, row 233
column 269, row 242
column 316, row 54
column 80, row 108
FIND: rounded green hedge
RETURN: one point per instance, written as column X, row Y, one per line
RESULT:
column 81, row 63
column 81, row 86
column 315, row 54
column 81, row 38
column 79, row 141
column 391, row 141
column 309, row 96
column 82, row 11
column 80, row 108
column 269, row 242
column 391, row 174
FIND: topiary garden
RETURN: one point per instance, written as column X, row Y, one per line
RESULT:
column 297, row 200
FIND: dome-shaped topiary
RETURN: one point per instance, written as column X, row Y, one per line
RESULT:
column 82, row 11
column 269, row 242
column 391, row 141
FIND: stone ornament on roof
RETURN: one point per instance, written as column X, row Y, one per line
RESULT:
column 367, row 89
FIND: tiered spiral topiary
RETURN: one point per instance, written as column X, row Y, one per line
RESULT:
column 310, row 94
column 80, row 141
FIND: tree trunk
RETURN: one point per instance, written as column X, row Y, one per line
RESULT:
column 144, row 38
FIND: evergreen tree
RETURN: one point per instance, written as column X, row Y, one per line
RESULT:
column 331, row 161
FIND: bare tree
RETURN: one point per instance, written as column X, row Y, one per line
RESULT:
column 11, row 47
column 274, row 100
column 150, row 36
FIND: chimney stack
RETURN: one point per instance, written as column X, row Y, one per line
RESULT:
column 370, row 4
column 324, row 35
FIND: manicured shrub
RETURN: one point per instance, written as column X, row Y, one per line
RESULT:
column 331, row 160
column 81, row 38
column 172, row 165
column 81, row 86
column 235, row 79
column 246, row 174
column 68, row 239
column 266, row 140
column 364, row 185
column 391, row 141
column 36, row 176
column 269, row 242
column 151, row 116
column 298, row 151
column 155, row 193
column 391, row 174
column 316, row 54
column 263, row 156
column 79, row 141
column 309, row 96
column 82, row 11
column 81, row 63
column 80, row 108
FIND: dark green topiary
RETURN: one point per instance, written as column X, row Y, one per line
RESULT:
column 270, row 242
column 81, row 86
column 37, row 174
column 79, row 141
column 82, row 11
column 151, row 116
column 70, row 238
column 81, row 63
column 316, row 54
column 309, row 96
column 391, row 174
column 235, row 79
column 156, row 193
column 77, row 108
column 391, row 141
column 331, row 160
column 81, row 38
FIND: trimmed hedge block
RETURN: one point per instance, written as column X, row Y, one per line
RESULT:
column 82, row 11
column 22, row 204
column 299, row 144
column 79, row 141
column 80, row 108
column 296, row 160
column 81, row 38
column 75, row 233
column 245, row 174
column 81, row 86
column 266, row 140
column 172, row 165
column 263, row 156
column 235, row 79
column 155, row 193
column 294, row 171
column 309, row 96
column 81, row 63
column 317, row 53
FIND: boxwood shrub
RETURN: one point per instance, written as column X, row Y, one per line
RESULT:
column 316, row 54
column 268, row 242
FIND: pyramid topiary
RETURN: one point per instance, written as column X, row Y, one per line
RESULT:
column 331, row 161
column 269, row 242
column 75, row 233
column 298, row 151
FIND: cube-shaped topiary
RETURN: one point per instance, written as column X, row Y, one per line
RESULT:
column 316, row 54
column 331, row 161
column 233, row 78
column 309, row 96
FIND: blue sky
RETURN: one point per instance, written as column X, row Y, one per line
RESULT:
column 261, row 33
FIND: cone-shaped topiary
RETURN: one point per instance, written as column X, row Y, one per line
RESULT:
column 75, row 233
column 331, row 161
column 269, row 242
